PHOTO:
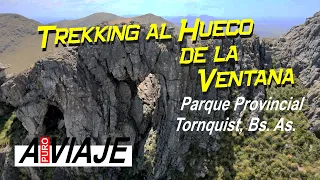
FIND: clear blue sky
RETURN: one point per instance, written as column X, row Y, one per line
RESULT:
column 69, row 9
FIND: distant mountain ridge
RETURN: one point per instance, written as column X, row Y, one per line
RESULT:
column 90, row 20
column 18, row 34
column 151, row 18
column 266, row 27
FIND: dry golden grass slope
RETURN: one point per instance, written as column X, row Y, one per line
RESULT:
column 91, row 20
column 20, row 41
column 26, row 53
column 13, row 28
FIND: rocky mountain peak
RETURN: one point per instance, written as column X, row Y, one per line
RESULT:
column 300, row 49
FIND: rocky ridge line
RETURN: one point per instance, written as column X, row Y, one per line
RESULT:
column 96, row 88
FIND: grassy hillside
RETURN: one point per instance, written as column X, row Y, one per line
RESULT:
column 279, row 154
column 91, row 20
column 13, row 28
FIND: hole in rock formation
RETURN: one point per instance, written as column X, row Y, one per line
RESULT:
column 149, row 92
column 53, row 120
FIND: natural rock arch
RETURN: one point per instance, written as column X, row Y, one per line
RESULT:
column 95, row 87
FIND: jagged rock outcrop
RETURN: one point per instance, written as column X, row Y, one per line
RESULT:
column 98, row 88
column 300, row 49
column 4, row 108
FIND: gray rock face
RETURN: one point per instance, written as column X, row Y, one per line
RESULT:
column 106, row 90
column 300, row 49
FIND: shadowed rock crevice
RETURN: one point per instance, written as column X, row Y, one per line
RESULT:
column 300, row 49
column 53, row 120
